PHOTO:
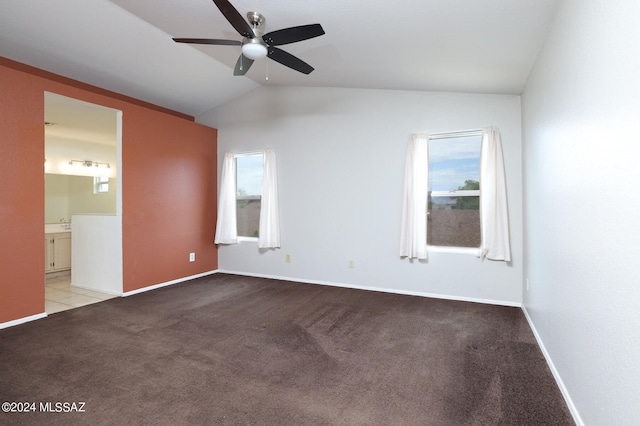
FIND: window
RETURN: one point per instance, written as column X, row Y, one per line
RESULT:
column 248, row 200
column 453, row 218
column 433, row 199
column 100, row 184
column 249, row 171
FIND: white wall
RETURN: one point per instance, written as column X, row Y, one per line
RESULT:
column 581, row 111
column 96, row 247
column 340, row 155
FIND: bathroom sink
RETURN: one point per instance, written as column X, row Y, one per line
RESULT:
column 54, row 228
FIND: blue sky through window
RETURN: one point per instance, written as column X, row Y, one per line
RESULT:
column 249, row 174
column 452, row 161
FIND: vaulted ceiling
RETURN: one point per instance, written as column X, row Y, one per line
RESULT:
column 477, row 46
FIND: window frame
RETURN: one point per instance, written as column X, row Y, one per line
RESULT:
column 99, row 184
column 454, row 193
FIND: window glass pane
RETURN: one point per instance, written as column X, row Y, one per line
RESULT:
column 100, row 184
column 248, row 194
column 453, row 222
column 453, row 161
column 248, row 220
column 454, row 164
column 249, row 175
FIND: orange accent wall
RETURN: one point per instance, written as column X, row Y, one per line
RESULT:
column 169, row 199
column 168, row 188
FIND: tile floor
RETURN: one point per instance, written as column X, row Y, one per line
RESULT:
column 60, row 296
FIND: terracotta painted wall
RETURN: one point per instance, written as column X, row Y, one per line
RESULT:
column 169, row 189
column 21, row 197
column 169, row 199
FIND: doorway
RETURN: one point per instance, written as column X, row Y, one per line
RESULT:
column 83, row 202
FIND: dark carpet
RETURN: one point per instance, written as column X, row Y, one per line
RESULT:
column 233, row 350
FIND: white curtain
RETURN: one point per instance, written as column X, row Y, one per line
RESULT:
column 269, row 234
column 226, row 227
column 494, row 219
column 413, row 240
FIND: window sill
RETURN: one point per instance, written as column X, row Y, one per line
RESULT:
column 458, row 250
column 247, row 239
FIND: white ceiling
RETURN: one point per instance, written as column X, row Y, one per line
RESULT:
column 477, row 46
column 75, row 120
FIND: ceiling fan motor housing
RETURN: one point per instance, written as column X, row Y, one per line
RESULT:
column 255, row 48
column 256, row 20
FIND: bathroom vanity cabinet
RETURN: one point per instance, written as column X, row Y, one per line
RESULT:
column 57, row 248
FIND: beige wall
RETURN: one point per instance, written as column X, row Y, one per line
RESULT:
column 56, row 198
column 68, row 195
column 83, row 200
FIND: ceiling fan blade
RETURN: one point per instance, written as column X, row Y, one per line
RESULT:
column 234, row 18
column 288, row 60
column 293, row 34
column 208, row 41
column 242, row 65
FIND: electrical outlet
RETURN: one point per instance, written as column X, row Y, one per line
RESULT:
column 287, row 258
column 192, row 257
column 352, row 264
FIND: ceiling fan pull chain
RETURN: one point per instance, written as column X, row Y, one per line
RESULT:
column 267, row 77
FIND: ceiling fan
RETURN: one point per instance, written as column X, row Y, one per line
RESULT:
column 256, row 44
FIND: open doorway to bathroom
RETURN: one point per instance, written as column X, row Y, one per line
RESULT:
column 83, row 227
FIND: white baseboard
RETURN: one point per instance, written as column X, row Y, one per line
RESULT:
column 22, row 320
column 128, row 293
column 300, row 280
column 554, row 371
column 179, row 280
column 98, row 290
column 380, row 289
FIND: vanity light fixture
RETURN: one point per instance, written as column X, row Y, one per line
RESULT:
column 89, row 163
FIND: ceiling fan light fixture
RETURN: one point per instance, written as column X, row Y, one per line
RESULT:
column 254, row 50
